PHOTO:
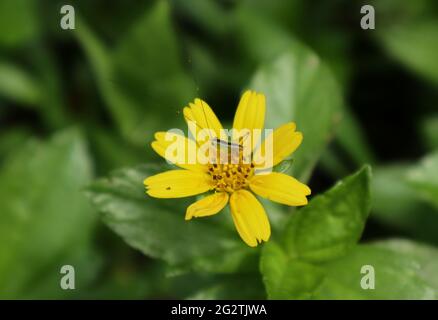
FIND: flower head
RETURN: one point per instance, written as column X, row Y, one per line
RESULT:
column 231, row 168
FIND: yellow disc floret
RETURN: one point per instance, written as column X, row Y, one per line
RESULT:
column 231, row 177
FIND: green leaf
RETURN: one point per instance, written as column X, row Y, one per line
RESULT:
column 351, row 137
column 260, row 39
column 350, row 148
column 18, row 22
column 397, row 204
column 126, row 278
column 300, row 88
column 423, row 178
column 415, row 182
column 112, row 152
column 332, row 223
column 52, row 96
column 44, row 213
column 11, row 138
column 285, row 277
column 407, row 30
column 414, row 44
column 121, row 107
column 149, row 70
column 405, row 196
column 426, row 257
column 285, row 13
column 429, row 128
column 44, row 284
column 143, row 81
column 332, row 163
column 17, row 85
column 236, row 286
column 207, row 13
column 396, row 276
column 157, row 227
column 293, row 17
column 327, row 228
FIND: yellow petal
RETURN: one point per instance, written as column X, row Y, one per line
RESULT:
column 178, row 184
column 207, row 206
column 280, row 188
column 250, row 115
column 200, row 116
column 178, row 150
column 279, row 145
column 249, row 217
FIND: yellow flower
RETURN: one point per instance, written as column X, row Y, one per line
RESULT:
column 231, row 182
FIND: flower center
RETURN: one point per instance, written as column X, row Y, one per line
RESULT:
column 231, row 177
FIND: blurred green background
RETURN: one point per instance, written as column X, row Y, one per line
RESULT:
column 78, row 104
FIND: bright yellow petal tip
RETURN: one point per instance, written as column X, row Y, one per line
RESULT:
column 200, row 116
column 280, row 188
column 250, row 218
column 207, row 206
column 250, row 113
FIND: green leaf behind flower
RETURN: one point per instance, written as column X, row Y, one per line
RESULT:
column 423, row 178
column 19, row 22
column 429, row 131
column 397, row 276
column 157, row 227
column 300, row 88
column 45, row 221
column 142, row 80
column 404, row 196
column 17, row 85
column 424, row 255
column 408, row 32
column 415, row 45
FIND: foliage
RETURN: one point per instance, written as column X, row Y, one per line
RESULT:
column 78, row 110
